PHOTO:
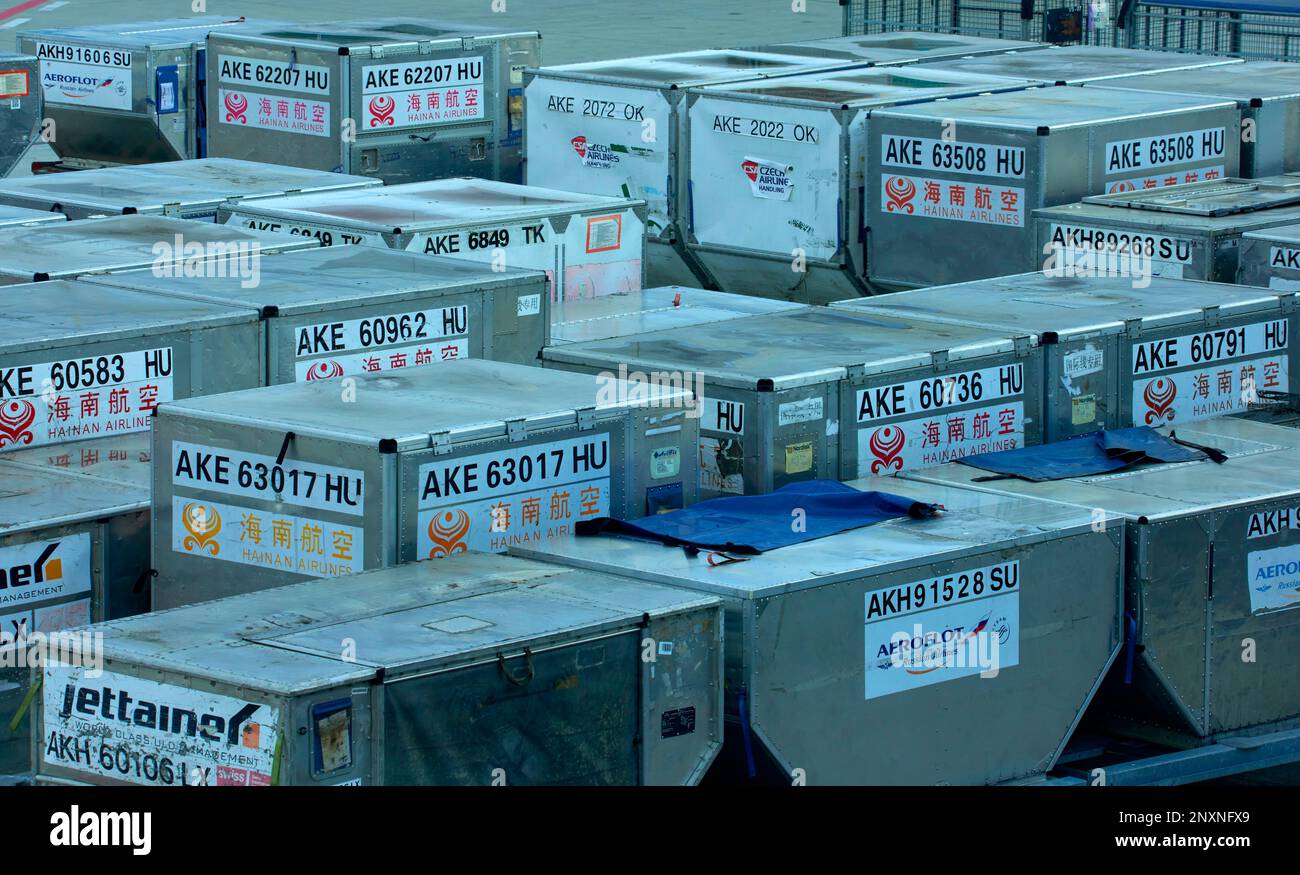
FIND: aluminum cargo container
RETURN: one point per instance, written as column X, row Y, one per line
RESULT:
column 168, row 246
column 11, row 216
column 653, row 310
column 128, row 93
column 482, row 670
column 335, row 312
column 1078, row 65
column 898, row 47
column 593, row 245
column 1271, row 258
column 398, row 100
column 930, row 220
column 73, row 549
column 818, row 681
column 820, row 393
column 776, row 174
column 1190, row 231
column 261, row 488
column 83, row 361
column 185, row 189
column 1267, row 95
column 22, row 123
column 1211, row 582
column 1116, row 355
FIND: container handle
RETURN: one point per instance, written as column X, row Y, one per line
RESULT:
column 516, row 679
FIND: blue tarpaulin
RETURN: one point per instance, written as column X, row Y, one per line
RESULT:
column 1098, row 452
column 749, row 524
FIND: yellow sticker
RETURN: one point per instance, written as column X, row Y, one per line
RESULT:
column 799, row 458
column 1083, row 409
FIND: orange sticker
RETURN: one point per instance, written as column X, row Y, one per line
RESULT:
column 604, row 233
column 13, row 83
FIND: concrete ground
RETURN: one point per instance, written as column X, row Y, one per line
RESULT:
column 572, row 30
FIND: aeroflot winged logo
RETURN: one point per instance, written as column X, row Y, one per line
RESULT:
column 447, row 530
column 236, row 108
column 382, row 109
column 886, row 445
column 16, row 417
column 900, row 193
column 1159, row 396
column 203, row 524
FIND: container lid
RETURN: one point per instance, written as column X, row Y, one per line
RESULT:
column 653, row 310
column 971, row 523
column 782, row 350
column 1219, row 197
column 1286, row 234
column 32, row 498
column 426, row 28
column 418, row 616
column 312, row 280
column 685, row 69
column 15, row 57
column 69, row 313
column 469, row 399
column 1077, row 64
column 901, row 47
column 123, row 458
column 122, row 242
column 1054, row 108
column 10, row 215
column 149, row 34
column 1263, row 463
column 1070, row 306
column 150, row 188
column 1261, row 80
column 872, row 86
column 428, row 206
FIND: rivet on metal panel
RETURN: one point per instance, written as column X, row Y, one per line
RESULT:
column 516, row 429
column 168, row 209
column 856, row 372
column 441, row 443
column 586, row 418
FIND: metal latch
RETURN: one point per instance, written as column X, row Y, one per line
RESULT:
column 1022, row 346
column 172, row 209
column 441, row 443
column 1133, row 328
column 516, row 429
column 376, row 51
column 939, row 358
column 467, row 42
column 586, row 418
column 1212, row 316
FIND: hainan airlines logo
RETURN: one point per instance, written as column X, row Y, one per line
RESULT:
column 1159, row 396
column 886, row 445
column 447, row 531
column 16, row 417
column 1117, row 187
column 382, row 109
column 327, row 369
column 900, row 192
column 203, row 524
column 236, row 108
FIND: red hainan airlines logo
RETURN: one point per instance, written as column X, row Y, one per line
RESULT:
column 236, row 108
column 1159, row 396
column 580, row 146
column 751, row 170
column 382, row 110
column 886, row 444
column 324, row 370
column 900, row 192
column 1121, row 186
column 447, row 530
column 16, row 418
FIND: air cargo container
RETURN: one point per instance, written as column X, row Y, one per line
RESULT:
column 1271, row 258
column 1116, row 354
column 900, row 47
column 478, row 671
column 73, row 549
column 320, row 479
column 184, row 189
column 1211, row 573
column 128, row 93
column 775, row 170
column 341, row 311
column 1078, row 65
column 1267, row 95
column 11, row 216
column 590, row 246
column 167, row 246
column 1190, row 231
column 823, row 684
column 820, row 393
column 82, row 361
column 951, row 184
column 398, row 100
column 653, row 310
column 23, row 148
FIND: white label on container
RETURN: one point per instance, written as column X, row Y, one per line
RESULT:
column 267, row 539
column 940, row 437
column 604, row 233
column 77, row 398
column 278, row 75
column 1146, row 153
column 935, row 393
column 920, row 197
column 253, row 475
column 941, row 629
column 1157, row 247
column 43, row 571
column 953, row 156
column 806, row 410
column 1165, row 179
column 719, row 415
column 287, row 114
column 328, row 344
column 665, row 462
column 520, row 495
column 712, row 451
column 326, row 236
column 1283, row 258
column 1083, row 362
column 1283, row 285
column 1271, row 522
column 762, row 129
column 117, row 726
column 1220, row 390
column 13, row 83
column 390, row 358
column 1219, row 344
column 85, row 76
column 528, row 305
column 1274, row 578
column 419, row 93
column 768, row 179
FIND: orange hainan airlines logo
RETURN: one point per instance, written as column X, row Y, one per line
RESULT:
column 1159, row 396
column 203, row 524
column 447, row 530
column 886, row 445
column 16, row 417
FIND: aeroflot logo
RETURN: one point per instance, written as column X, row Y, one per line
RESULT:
column 46, row 569
column 105, row 703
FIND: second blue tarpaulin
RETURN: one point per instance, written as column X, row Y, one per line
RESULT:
column 1098, row 452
